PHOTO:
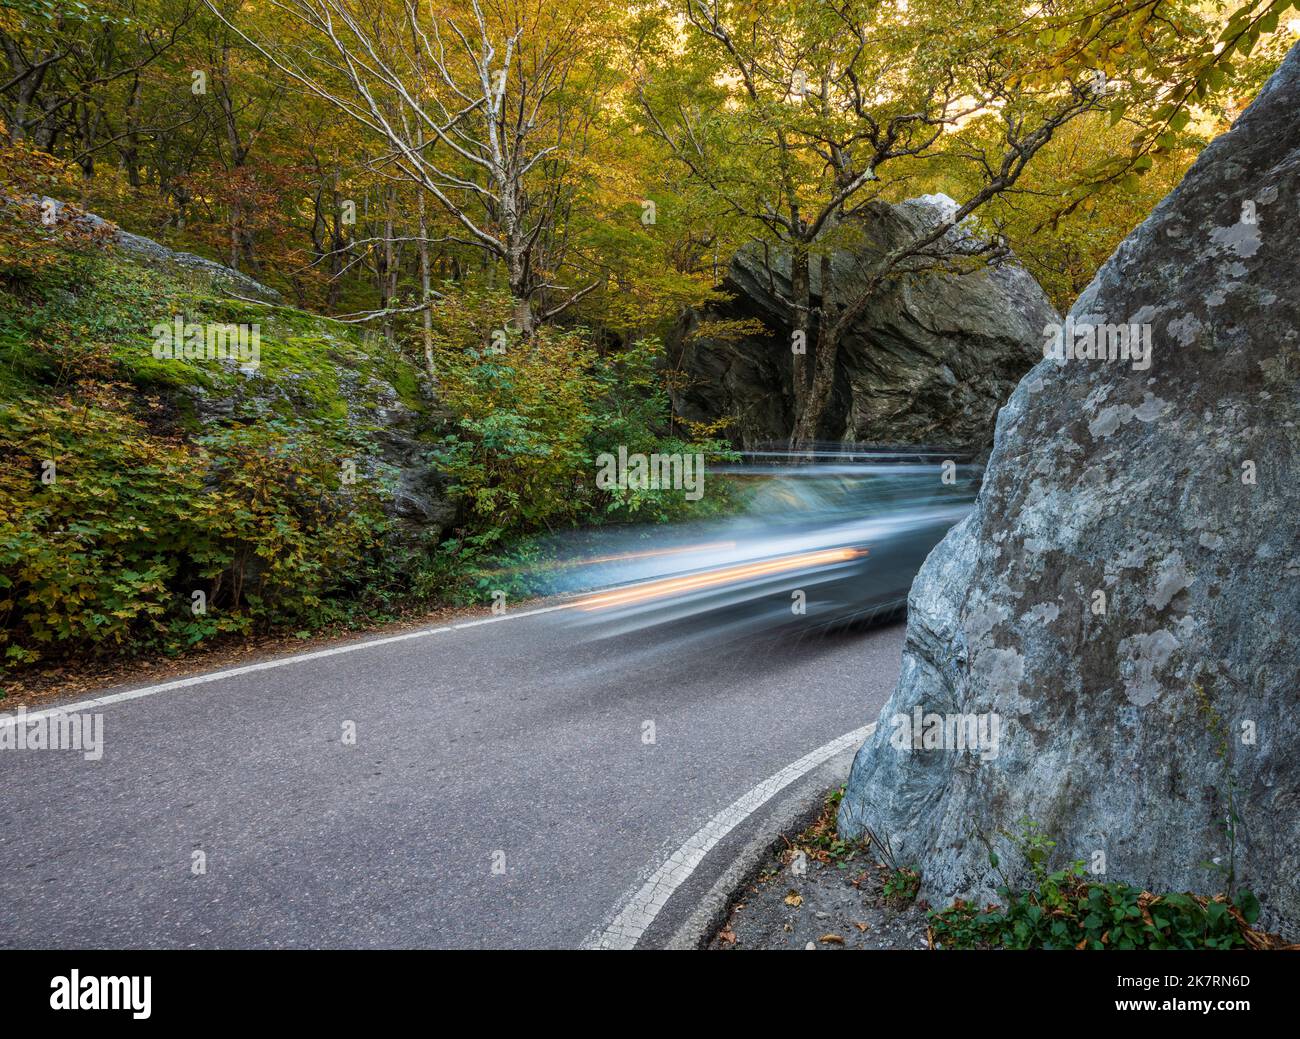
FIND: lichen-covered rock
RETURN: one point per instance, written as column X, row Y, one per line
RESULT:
column 396, row 437
column 146, row 250
column 317, row 367
column 1125, row 597
column 930, row 361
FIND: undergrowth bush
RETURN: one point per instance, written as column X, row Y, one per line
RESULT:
column 107, row 529
column 532, row 416
column 1067, row 909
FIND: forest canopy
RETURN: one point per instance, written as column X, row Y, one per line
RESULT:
column 601, row 161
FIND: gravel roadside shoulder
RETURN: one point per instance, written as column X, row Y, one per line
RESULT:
column 815, row 892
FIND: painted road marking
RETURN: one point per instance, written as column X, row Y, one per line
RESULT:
column 7, row 719
column 632, row 921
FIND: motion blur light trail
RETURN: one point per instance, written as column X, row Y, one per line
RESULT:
column 655, row 589
column 820, row 541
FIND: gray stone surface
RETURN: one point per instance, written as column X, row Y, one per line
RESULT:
column 149, row 251
column 1137, row 732
column 931, row 360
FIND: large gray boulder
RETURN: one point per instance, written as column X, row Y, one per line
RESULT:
column 930, row 361
column 1159, row 727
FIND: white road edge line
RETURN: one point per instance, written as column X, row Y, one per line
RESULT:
column 632, row 921
column 8, row 720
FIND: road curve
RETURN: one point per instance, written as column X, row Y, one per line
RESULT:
column 500, row 791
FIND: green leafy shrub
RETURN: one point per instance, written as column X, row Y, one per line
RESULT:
column 519, row 452
column 107, row 530
column 532, row 416
column 632, row 412
column 902, row 885
column 1065, row 909
column 95, row 518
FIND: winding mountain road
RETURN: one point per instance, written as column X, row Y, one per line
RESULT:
column 501, row 791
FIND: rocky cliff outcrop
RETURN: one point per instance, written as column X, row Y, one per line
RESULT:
column 365, row 378
column 311, row 366
column 1126, row 595
column 932, row 359
column 146, row 250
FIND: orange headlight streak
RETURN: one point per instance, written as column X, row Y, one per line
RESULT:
column 713, row 578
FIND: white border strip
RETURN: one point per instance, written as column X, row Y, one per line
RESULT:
column 7, row 719
column 632, row 921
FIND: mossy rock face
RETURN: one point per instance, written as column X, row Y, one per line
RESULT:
column 94, row 320
column 1123, row 596
column 176, row 266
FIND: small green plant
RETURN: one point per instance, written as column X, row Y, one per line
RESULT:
column 1065, row 909
column 902, row 885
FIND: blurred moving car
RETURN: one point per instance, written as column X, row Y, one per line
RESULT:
column 821, row 542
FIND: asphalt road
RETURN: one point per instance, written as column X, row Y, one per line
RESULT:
column 500, row 792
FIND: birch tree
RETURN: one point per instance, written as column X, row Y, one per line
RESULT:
column 472, row 109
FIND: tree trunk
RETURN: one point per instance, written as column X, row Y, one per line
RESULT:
column 519, row 291
column 819, row 393
column 241, row 238
column 390, row 264
column 337, row 239
column 131, row 150
column 824, row 358
column 512, row 227
column 801, row 340
column 235, row 217
column 427, row 314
